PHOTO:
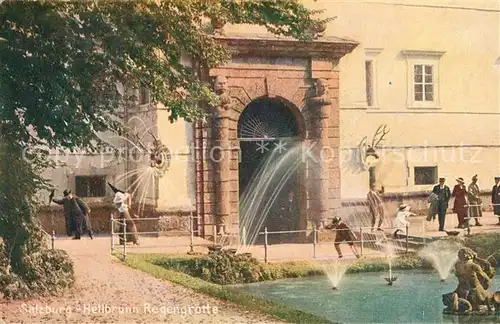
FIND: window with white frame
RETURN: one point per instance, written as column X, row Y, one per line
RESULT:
column 423, row 78
column 423, row 82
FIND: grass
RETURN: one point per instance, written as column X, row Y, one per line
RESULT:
column 250, row 302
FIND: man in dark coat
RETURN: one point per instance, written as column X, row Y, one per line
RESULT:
column 495, row 198
column 342, row 234
column 76, row 213
column 444, row 195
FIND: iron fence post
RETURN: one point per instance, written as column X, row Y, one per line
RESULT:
column 112, row 233
column 265, row 244
column 214, row 229
column 468, row 220
column 314, row 241
column 407, row 238
column 362, row 240
column 191, row 239
column 53, row 239
column 124, row 239
column 244, row 234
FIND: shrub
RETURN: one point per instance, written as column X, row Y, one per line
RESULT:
column 46, row 272
column 226, row 268
column 485, row 244
column 222, row 267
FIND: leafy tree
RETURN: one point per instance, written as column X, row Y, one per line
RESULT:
column 61, row 67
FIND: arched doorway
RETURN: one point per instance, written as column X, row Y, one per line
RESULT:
column 269, row 128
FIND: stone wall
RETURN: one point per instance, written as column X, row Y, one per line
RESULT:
column 170, row 222
column 416, row 200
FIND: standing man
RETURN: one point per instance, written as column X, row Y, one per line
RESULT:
column 444, row 195
column 376, row 206
column 495, row 198
column 474, row 199
column 76, row 213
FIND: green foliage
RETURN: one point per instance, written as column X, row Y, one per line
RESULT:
column 485, row 245
column 226, row 268
column 47, row 272
column 409, row 261
column 62, row 61
column 27, row 267
column 221, row 268
column 66, row 71
column 246, row 300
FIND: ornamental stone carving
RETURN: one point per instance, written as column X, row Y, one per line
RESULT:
column 221, row 88
column 321, row 100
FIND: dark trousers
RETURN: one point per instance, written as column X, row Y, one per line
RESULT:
column 442, row 207
column 82, row 223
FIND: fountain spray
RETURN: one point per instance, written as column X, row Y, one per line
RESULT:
column 390, row 254
column 442, row 255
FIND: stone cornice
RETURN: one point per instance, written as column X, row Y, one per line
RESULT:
column 422, row 53
column 265, row 45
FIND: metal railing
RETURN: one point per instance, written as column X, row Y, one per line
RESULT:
column 316, row 231
column 52, row 238
column 192, row 231
column 469, row 217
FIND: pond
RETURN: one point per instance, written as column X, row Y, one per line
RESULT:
column 366, row 298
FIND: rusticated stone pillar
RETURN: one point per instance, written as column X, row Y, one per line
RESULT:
column 320, row 106
column 222, row 154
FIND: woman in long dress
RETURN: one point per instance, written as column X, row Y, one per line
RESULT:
column 123, row 201
column 459, row 206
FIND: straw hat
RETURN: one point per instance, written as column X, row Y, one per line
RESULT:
column 460, row 180
column 403, row 207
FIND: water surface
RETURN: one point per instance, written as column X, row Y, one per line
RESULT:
column 366, row 298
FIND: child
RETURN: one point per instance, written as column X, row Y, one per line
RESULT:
column 401, row 220
column 343, row 234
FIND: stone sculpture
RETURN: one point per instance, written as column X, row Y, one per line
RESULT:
column 321, row 99
column 474, row 279
column 221, row 88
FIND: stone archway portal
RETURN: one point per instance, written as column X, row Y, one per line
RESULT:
column 268, row 129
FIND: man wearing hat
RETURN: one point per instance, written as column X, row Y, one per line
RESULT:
column 495, row 198
column 342, row 234
column 444, row 195
column 475, row 201
column 460, row 204
column 76, row 213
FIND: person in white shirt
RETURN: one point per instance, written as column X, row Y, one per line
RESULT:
column 401, row 221
column 122, row 202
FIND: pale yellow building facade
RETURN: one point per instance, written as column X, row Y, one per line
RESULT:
column 429, row 70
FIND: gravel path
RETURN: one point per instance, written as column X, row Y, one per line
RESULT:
column 108, row 292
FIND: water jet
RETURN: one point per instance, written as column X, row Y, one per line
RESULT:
column 443, row 255
column 335, row 271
